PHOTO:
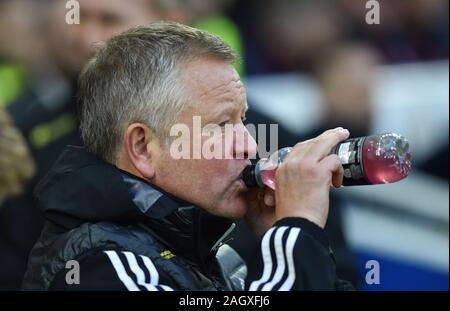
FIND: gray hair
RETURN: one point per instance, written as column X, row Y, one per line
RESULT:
column 135, row 77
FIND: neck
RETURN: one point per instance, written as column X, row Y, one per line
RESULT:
column 124, row 163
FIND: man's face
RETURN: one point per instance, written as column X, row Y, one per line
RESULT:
column 99, row 21
column 217, row 95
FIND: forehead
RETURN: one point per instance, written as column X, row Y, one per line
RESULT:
column 113, row 7
column 211, row 83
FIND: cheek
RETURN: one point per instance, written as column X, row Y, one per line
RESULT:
column 212, row 173
column 212, row 181
column 216, row 147
column 205, row 182
column 195, row 176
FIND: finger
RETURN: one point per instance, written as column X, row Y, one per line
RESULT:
column 326, row 133
column 338, row 177
column 301, row 148
column 269, row 197
column 323, row 145
column 330, row 131
column 334, row 166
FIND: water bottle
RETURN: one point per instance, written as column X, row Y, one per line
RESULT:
column 377, row 159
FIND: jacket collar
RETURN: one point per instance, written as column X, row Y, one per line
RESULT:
column 82, row 188
column 186, row 229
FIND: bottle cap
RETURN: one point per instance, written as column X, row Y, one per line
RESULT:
column 249, row 177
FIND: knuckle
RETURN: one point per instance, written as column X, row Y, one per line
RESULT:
column 335, row 158
column 330, row 131
column 326, row 132
column 281, row 168
column 292, row 164
column 281, row 172
column 301, row 144
column 337, row 135
column 322, row 139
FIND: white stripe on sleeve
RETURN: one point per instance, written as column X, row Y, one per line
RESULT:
column 134, row 266
column 281, row 266
column 140, row 276
column 121, row 272
column 166, row 288
column 292, row 238
column 154, row 276
column 267, row 260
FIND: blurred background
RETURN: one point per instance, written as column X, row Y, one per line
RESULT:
column 308, row 65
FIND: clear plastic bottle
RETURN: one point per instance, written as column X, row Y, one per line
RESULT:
column 376, row 159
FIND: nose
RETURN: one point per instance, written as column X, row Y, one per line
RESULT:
column 245, row 146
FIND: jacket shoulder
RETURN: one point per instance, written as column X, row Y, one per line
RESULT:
column 53, row 251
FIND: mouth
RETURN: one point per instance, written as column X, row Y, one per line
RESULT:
column 241, row 186
column 240, row 179
column 241, row 174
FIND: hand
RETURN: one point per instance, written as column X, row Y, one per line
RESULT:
column 304, row 179
column 261, row 210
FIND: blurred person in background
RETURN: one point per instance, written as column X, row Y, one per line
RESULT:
column 212, row 16
column 19, row 34
column 409, row 30
column 21, row 51
column 286, row 35
column 46, row 112
column 16, row 169
column 346, row 75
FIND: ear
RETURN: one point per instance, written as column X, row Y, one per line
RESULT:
column 138, row 142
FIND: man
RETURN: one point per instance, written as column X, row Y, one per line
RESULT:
column 46, row 114
column 136, row 218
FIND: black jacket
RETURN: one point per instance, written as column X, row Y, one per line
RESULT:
column 126, row 234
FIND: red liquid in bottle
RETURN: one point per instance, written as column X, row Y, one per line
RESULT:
column 382, row 159
column 268, row 178
column 385, row 160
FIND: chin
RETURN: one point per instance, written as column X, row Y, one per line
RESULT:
column 234, row 209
